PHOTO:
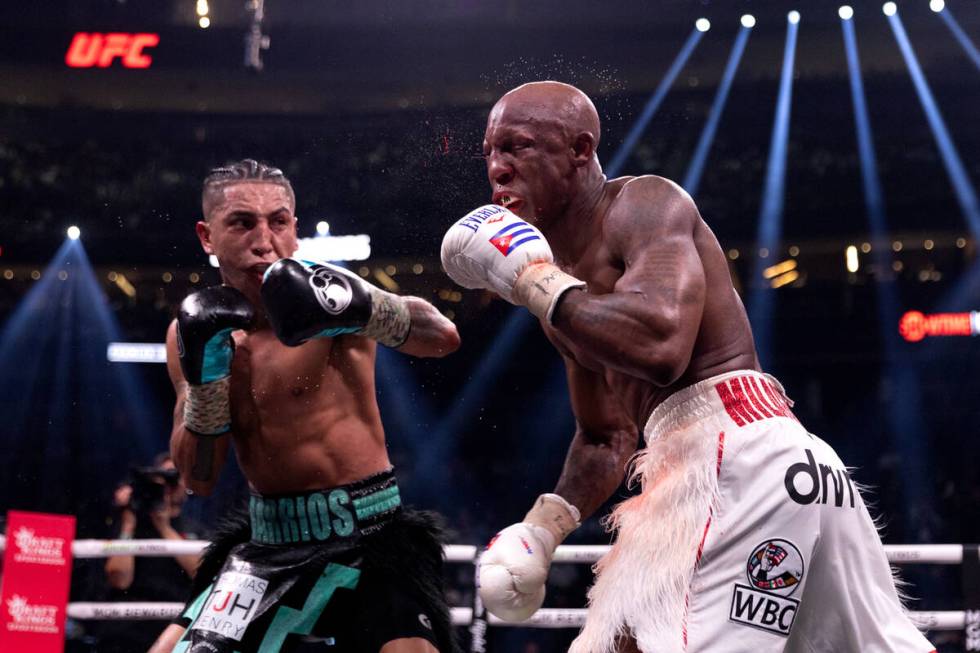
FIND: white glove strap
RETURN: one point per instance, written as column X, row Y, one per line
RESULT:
column 390, row 320
column 207, row 410
column 540, row 287
column 554, row 514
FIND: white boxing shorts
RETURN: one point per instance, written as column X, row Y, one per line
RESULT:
column 748, row 535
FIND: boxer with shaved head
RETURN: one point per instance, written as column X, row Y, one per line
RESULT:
column 748, row 531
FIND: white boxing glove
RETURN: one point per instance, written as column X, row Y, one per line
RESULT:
column 492, row 248
column 514, row 568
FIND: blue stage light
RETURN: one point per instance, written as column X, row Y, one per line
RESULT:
column 632, row 138
column 960, row 36
column 963, row 188
column 771, row 213
column 692, row 179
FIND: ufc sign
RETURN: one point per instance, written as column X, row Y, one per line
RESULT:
column 88, row 50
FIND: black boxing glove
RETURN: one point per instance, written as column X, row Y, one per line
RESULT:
column 306, row 300
column 204, row 324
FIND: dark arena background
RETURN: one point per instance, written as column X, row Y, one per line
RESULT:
column 834, row 151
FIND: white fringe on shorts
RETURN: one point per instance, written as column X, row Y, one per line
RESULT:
column 642, row 584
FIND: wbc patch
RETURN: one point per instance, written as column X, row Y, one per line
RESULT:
column 774, row 571
column 232, row 605
column 513, row 236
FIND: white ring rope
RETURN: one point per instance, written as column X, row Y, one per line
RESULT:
column 939, row 554
column 936, row 554
column 543, row 618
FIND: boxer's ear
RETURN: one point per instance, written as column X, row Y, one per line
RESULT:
column 583, row 148
column 203, row 230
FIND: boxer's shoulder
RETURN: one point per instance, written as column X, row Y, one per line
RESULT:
column 648, row 205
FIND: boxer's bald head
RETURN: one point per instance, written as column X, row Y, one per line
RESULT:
column 549, row 104
column 540, row 145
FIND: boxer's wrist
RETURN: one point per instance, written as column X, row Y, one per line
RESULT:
column 540, row 287
column 207, row 408
column 554, row 514
column 390, row 321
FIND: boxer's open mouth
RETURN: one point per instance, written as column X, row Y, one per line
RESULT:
column 509, row 202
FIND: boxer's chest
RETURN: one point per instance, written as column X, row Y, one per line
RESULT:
column 266, row 373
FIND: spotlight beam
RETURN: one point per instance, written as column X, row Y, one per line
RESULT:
column 962, row 187
column 64, row 405
column 652, row 105
column 692, row 179
column 404, row 404
column 871, row 183
column 903, row 413
column 960, row 35
column 771, row 213
column 441, row 441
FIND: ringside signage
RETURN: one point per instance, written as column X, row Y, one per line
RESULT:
column 92, row 49
column 36, row 575
column 915, row 326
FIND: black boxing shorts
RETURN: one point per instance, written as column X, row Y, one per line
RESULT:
column 347, row 566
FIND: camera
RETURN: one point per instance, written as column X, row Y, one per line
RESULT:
column 149, row 486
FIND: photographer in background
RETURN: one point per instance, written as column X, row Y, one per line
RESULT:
column 147, row 506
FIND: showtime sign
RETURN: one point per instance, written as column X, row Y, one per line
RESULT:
column 914, row 326
column 91, row 49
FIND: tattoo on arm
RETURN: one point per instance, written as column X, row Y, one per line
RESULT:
column 203, row 458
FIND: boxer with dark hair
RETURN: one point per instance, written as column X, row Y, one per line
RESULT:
column 279, row 360
column 748, row 534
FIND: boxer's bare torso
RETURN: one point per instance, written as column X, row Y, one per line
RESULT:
column 303, row 417
column 660, row 311
column 628, row 222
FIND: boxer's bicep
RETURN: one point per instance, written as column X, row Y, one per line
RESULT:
column 666, row 275
column 173, row 357
column 175, row 373
column 178, row 436
column 431, row 333
column 663, row 282
column 647, row 326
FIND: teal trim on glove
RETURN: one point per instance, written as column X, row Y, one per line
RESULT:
column 218, row 351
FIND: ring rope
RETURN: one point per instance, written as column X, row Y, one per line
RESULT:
column 937, row 554
column 543, row 618
column 944, row 554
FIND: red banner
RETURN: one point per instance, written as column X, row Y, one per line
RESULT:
column 36, row 575
column 914, row 326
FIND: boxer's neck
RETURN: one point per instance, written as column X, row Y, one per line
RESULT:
column 571, row 235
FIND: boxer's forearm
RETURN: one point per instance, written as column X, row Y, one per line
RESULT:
column 630, row 333
column 431, row 334
column 189, row 450
column 594, row 467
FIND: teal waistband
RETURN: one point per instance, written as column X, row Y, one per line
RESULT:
column 329, row 515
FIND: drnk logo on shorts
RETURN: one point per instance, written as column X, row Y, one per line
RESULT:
column 513, row 236
column 774, row 571
column 811, row 482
